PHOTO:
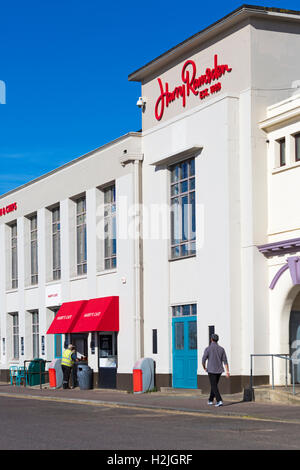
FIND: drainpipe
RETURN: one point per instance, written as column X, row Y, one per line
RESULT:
column 136, row 160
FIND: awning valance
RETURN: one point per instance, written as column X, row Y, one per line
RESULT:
column 66, row 317
column 98, row 315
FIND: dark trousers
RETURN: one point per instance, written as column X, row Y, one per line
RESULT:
column 66, row 375
column 214, row 391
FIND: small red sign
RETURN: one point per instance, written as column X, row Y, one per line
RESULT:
column 8, row 209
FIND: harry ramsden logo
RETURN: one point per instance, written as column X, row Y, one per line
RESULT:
column 190, row 86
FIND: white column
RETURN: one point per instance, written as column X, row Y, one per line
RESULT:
column 91, row 242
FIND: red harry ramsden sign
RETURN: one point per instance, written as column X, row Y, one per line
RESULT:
column 10, row 208
column 190, row 85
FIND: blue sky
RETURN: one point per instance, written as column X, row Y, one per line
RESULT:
column 65, row 64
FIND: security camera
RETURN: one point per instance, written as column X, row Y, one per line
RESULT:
column 141, row 102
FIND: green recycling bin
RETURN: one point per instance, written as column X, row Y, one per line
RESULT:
column 36, row 372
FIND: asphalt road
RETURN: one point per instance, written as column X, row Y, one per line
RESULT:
column 33, row 424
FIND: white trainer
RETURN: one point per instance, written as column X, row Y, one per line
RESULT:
column 219, row 403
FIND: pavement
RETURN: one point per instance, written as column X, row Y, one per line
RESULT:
column 169, row 400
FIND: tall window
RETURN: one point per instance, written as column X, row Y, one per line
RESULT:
column 34, row 249
column 282, row 159
column 56, row 259
column 14, row 256
column 183, row 210
column 110, row 235
column 35, row 334
column 81, row 236
column 15, row 334
column 297, row 147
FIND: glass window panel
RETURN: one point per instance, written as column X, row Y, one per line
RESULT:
column 186, row 310
column 175, row 221
column 192, row 332
column 185, row 218
column 175, row 173
column 192, row 183
column 174, row 189
column 282, row 151
column 113, row 193
column 14, row 230
column 175, row 252
column 193, row 216
column 184, row 170
column 58, row 346
column 194, row 309
column 107, row 247
column 107, row 195
column 192, row 166
column 297, row 147
column 184, row 250
column 176, row 311
column 114, row 235
column 179, row 336
column 184, row 186
column 33, row 223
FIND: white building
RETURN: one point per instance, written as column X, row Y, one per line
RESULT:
column 192, row 208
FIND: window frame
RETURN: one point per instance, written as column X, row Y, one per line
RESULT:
column 56, row 248
column 14, row 255
column 34, row 265
column 110, row 221
column 184, row 310
column 35, row 327
column 297, row 146
column 282, row 151
column 15, row 336
column 189, row 242
column 81, row 237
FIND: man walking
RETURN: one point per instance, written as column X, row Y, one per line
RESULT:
column 216, row 357
column 67, row 362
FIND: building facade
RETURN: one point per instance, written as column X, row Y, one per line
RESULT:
column 185, row 223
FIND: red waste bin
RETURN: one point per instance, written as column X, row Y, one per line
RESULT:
column 52, row 377
column 137, row 380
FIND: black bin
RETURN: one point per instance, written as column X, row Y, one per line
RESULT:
column 85, row 377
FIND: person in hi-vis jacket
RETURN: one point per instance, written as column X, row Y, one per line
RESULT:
column 67, row 362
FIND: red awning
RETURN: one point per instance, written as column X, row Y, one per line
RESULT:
column 66, row 317
column 98, row 315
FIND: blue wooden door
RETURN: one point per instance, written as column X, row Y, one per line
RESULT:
column 184, row 352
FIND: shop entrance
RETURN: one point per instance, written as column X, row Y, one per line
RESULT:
column 80, row 341
column 185, row 352
column 107, row 342
column 294, row 340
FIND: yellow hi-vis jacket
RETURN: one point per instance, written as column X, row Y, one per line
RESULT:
column 66, row 358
